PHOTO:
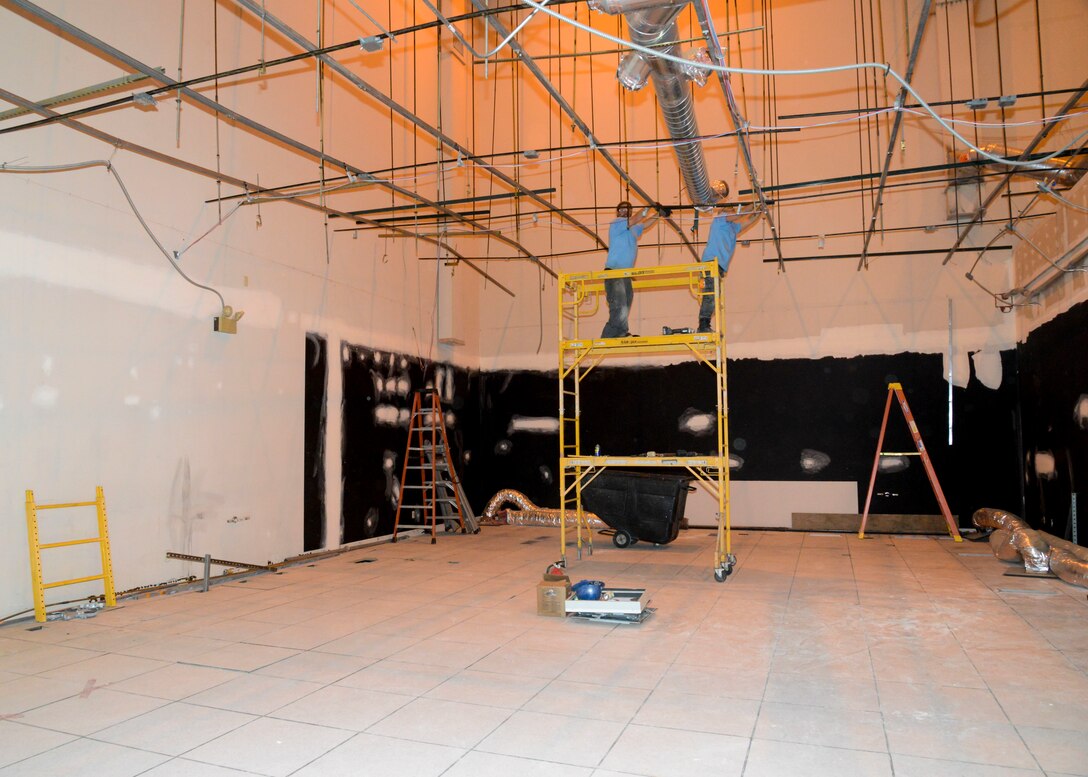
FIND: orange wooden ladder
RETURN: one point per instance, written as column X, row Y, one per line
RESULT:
column 429, row 487
column 896, row 390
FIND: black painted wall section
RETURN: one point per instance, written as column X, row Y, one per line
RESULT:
column 378, row 391
column 1054, row 378
column 313, row 488
column 778, row 410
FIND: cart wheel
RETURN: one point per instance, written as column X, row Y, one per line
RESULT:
column 622, row 538
column 723, row 572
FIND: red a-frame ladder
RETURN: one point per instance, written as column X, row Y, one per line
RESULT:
column 896, row 390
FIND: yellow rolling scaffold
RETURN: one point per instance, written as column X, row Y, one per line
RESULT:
column 580, row 296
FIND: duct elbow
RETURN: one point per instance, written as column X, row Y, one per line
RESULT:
column 633, row 71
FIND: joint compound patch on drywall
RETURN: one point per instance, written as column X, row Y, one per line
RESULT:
column 961, row 368
column 1080, row 412
column 392, row 487
column 696, row 422
column 890, row 464
column 533, row 425
column 813, row 461
column 45, row 396
column 988, row 368
column 503, row 447
column 386, row 415
column 1045, row 467
column 735, row 461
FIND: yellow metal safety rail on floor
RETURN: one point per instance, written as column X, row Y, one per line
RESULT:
column 580, row 299
column 36, row 548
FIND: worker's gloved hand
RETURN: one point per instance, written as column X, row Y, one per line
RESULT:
column 664, row 211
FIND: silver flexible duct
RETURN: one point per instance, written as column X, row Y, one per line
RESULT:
column 528, row 514
column 653, row 23
column 1001, row 545
column 1069, row 561
column 1040, row 552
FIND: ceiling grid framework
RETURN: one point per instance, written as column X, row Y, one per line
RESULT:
column 816, row 117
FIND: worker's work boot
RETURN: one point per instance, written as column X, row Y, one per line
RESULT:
column 704, row 325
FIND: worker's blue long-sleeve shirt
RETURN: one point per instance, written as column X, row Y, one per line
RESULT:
column 622, row 245
column 722, row 241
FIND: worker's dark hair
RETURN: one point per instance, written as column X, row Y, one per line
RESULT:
column 623, row 204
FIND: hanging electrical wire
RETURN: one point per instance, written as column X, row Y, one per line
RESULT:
column 489, row 54
column 171, row 257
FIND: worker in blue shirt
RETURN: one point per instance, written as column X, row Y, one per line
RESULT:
column 623, row 235
column 721, row 242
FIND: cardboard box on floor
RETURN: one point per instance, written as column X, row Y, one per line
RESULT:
column 551, row 595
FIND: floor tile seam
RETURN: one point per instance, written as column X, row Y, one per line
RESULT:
column 252, row 717
column 521, row 757
column 971, row 660
column 990, row 764
column 509, row 713
column 827, row 746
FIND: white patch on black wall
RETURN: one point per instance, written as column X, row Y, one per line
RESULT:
column 1080, row 412
column 893, row 464
column 386, row 415
column 1045, row 468
column 813, row 461
column 735, row 461
column 546, row 476
column 389, row 460
column 503, row 447
column 696, row 422
column 534, row 425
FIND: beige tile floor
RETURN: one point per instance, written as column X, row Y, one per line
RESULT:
column 821, row 655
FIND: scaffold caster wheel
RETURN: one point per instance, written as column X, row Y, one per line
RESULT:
column 623, row 538
column 722, row 572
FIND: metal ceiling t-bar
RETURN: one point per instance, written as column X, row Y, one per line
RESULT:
column 216, row 175
column 1040, row 136
column 702, row 12
column 584, row 128
column 114, row 53
column 918, row 35
column 300, row 40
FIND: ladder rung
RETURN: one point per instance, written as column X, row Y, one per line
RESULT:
column 74, row 581
column 903, row 453
column 64, row 504
column 70, row 542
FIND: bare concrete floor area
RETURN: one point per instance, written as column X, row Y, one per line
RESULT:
column 821, row 655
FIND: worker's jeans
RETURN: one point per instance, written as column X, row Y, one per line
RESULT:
column 706, row 306
column 619, row 292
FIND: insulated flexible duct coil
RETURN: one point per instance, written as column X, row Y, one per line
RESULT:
column 1040, row 552
column 1069, row 561
column 1001, row 545
column 528, row 514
